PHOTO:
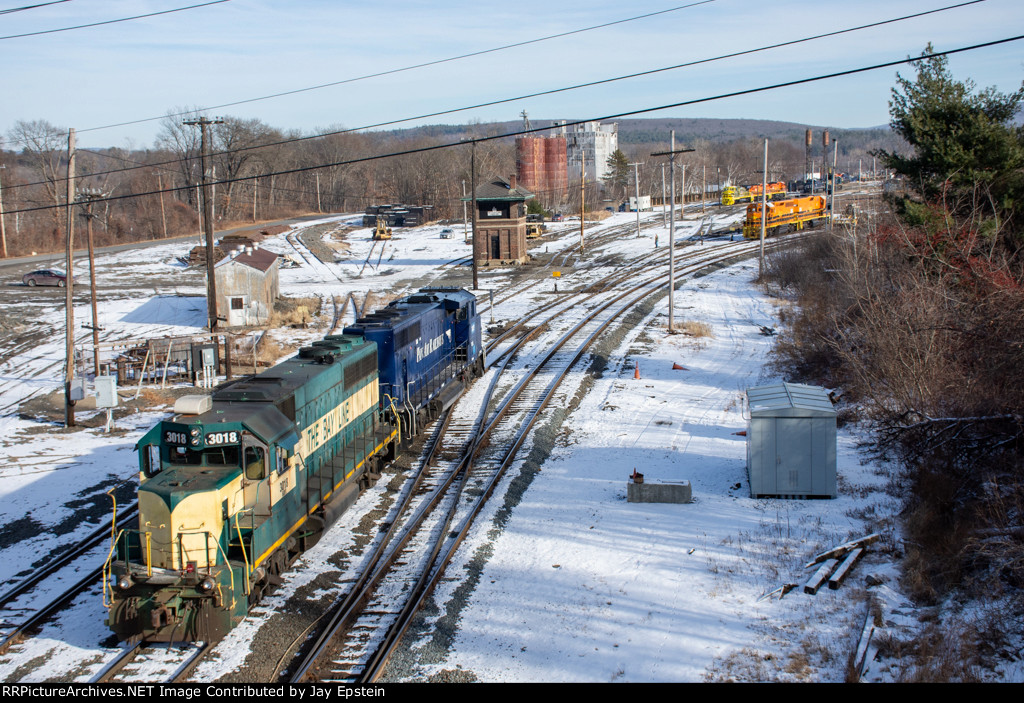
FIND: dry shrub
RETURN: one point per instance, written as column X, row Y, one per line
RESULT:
column 268, row 352
column 294, row 312
column 692, row 328
column 925, row 329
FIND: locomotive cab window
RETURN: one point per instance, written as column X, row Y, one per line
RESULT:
column 151, row 460
column 255, row 457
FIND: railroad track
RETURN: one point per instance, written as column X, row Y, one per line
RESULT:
column 31, row 601
column 147, row 662
column 473, row 456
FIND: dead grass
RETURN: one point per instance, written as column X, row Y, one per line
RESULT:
column 294, row 312
column 692, row 328
column 268, row 352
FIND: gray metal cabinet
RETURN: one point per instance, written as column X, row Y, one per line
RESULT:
column 791, row 442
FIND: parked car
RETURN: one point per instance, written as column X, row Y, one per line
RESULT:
column 447, row 233
column 45, row 277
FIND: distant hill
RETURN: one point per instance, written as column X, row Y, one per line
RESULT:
column 655, row 131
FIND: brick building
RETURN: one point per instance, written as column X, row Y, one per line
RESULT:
column 501, row 223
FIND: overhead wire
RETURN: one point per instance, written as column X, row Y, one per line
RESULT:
column 552, row 91
column 424, row 64
column 31, row 7
column 122, row 19
column 630, row 113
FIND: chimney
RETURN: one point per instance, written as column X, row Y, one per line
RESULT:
column 512, row 181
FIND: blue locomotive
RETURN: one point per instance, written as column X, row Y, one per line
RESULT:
column 235, row 485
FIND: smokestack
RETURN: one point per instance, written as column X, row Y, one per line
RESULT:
column 808, row 138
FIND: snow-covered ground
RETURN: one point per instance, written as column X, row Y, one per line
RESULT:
column 579, row 585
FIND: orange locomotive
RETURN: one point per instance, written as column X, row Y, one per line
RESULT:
column 735, row 194
column 783, row 215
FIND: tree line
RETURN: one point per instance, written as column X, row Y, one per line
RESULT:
column 153, row 192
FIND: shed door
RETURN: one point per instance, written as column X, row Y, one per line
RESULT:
column 793, row 463
column 236, row 311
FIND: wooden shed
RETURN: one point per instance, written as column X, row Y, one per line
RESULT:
column 247, row 286
column 791, row 442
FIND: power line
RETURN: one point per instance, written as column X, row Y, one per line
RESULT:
column 553, row 91
column 408, row 68
column 31, row 7
column 123, row 19
column 630, row 113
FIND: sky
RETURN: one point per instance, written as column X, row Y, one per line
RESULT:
column 139, row 70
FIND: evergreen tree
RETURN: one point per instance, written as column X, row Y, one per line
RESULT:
column 617, row 177
column 967, row 152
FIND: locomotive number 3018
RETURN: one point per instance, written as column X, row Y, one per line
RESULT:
column 215, row 438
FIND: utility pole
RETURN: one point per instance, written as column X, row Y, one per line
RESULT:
column 318, row 208
column 636, row 184
column 472, row 178
column 69, row 307
column 671, row 153
column 583, row 194
column 89, row 196
column 832, row 200
column 163, row 215
column 703, row 189
column 764, row 208
column 465, row 220
column 3, row 232
column 211, row 285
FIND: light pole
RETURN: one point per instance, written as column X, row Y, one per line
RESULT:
column 636, row 172
column 671, row 153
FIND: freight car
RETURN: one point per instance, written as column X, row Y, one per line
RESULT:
column 784, row 215
column 738, row 194
column 235, row 485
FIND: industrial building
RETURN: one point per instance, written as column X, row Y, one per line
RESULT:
column 542, row 168
column 247, row 286
column 592, row 143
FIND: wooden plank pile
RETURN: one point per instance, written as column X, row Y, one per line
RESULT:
column 833, row 566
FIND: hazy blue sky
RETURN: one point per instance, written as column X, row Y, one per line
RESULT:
column 245, row 49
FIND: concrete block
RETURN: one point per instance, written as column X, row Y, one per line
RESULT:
column 679, row 492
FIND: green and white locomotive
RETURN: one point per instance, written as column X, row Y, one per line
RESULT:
column 235, row 485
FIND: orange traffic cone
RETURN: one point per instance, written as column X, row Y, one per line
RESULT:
column 677, row 367
column 636, row 373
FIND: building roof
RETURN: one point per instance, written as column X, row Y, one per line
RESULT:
column 790, row 400
column 500, row 189
column 259, row 259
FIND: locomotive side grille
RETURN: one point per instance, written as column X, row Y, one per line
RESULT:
column 407, row 335
column 355, row 373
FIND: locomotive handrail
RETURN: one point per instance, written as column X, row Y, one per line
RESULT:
column 398, row 418
column 245, row 557
column 183, row 551
column 107, row 572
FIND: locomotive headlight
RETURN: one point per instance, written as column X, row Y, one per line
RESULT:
column 206, row 585
column 124, row 583
column 195, row 442
column 194, row 432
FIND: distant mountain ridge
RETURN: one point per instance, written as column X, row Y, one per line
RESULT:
column 656, row 130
